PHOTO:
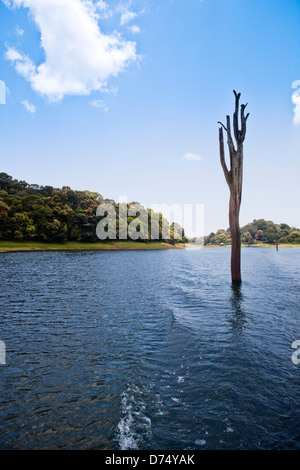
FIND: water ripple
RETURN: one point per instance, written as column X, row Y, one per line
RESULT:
column 152, row 350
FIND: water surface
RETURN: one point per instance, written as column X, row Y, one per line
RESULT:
column 149, row 350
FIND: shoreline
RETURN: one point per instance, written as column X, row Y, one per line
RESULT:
column 18, row 247
column 28, row 246
column 261, row 245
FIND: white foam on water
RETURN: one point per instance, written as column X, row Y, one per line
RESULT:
column 200, row 442
column 126, row 438
column 160, row 407
column 175, row 399
column 229, row 429
column 134, row 426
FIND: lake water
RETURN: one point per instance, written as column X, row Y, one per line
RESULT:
column 149, row 350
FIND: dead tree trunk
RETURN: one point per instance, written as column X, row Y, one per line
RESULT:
column 234, row 179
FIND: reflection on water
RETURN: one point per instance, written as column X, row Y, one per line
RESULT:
column 238, row 317
column 149, row 350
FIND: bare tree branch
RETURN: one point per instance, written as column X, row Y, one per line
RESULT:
column 229, row 138
column 222, row 157
column 243, row 120
column 234, row 179
column 236, row 117
column 222, row 126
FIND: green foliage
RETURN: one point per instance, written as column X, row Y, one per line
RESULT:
column 258, row 231
column 220, row 238
column 292, row 238
column 47, row 214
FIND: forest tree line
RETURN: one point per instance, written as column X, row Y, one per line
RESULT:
column 258, row 231
column 44, row 213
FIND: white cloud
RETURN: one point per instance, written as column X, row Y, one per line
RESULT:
column 19, row 30
column 99, row 104
column 23, row 64
column 29, row 107
column 79, row 58
column 103, row 10
column 134, row 29
column 127, row 16
column 101, row 5
column 296, row 102
column 192, row 157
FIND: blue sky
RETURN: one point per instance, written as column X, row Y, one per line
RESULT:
column 123, row 98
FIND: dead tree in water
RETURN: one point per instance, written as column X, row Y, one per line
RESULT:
column 234, row 179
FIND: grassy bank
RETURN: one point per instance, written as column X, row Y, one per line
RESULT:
column 280, row 245
column 258, row 245
column 7, row 246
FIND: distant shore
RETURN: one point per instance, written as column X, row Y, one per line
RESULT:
column 258, row 245
column 19, row 246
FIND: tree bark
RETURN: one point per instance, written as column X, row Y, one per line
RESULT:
column 234, row 179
